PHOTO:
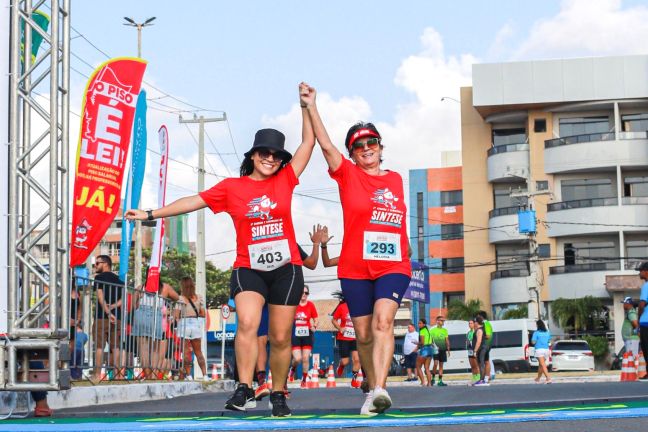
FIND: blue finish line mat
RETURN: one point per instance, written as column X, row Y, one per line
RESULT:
column 330, row 421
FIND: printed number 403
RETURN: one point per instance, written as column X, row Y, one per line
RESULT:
column 383, row 248
column 269, row 258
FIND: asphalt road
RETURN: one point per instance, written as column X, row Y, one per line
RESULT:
column 411, row 399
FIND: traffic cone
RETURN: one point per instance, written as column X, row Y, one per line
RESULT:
column 330, row 378
column 309, row 383
column 624, row 367
column 214, row 374
column 632, row 368
column 269, row 380
column 314, row 379
column 360, row 376
column 641, row 372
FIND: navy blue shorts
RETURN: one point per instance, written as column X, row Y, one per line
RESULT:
column 263, row 325
column 361, row 294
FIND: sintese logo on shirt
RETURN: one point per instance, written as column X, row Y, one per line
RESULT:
column 386, row 213
column 260, row 208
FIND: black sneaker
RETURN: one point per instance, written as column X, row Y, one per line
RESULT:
column 364, row 386
column 278, row 404
column 242, row 399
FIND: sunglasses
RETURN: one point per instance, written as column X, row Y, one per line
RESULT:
column 371, row 143
column 306, row 293
column 267, row 154
column 99, row 262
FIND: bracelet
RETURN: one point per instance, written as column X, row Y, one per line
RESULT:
column 150, row 215
column 303, row 105
column 323, row 246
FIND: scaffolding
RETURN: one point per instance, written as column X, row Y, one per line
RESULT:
column 38, row 296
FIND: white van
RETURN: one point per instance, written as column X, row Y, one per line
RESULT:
column 510, row 350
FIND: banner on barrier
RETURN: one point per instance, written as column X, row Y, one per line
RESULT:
column 419, row 287
column 106, row 124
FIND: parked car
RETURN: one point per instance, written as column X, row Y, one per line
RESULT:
column 572, row 355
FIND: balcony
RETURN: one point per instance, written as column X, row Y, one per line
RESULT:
column 503, row 225
column 595, row 151
column 506, row 161
column 579, row 280
column 509, row 286
column 597, row 216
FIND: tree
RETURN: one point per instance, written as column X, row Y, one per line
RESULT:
column 458, row 310
column 517, row 313
column 577, row 314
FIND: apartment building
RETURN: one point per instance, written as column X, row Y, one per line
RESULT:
column 569, row 139
column 436, row 232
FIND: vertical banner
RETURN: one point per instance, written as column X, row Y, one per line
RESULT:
column 42, row 20
column 106, row 124
column 419, row 287
column 153, row 276
column 5, row 23
column 134, row 182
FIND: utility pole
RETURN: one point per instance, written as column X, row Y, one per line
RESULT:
column 137, row 265
column 532, row 279
column 201, row 285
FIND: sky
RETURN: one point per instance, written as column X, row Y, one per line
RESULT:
column 381, row 61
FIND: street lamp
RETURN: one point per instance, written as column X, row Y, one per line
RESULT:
column 449, row 98
column 131, row 22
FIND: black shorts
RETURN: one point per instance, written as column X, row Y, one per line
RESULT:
column 410, row 360
column 282, row 286
column 302, row 342
column 441, row 355
column 346, row 346
column 487, row 355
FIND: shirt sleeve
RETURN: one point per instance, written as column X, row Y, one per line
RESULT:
column 340, row 173
column 644, row 293
column 216, row 197
column 313, row 311
column 287, row 174
column 534, row 338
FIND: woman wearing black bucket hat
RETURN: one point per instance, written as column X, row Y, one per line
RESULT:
column 374, row 267
column 268, row 263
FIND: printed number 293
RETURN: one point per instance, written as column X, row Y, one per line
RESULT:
column 382, row 248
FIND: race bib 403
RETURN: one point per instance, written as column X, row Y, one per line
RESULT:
column 269, row 255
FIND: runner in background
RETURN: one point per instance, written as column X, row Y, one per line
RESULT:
column 268, row 267
column 442, row 341
column 303, row 336
column 374, row 268
column 310, row 262
column 488, row 343
column 346, row 340
column 474, row 367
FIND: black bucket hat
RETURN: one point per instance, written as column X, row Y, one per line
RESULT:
column 270, row 139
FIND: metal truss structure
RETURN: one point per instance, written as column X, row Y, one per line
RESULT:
column 38, row 285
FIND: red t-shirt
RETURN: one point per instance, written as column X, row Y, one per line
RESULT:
column 261, row 212
column 304, row 313
column 375, row 239
column 343, row 318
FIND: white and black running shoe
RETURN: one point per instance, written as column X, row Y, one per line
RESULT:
column 242, row 399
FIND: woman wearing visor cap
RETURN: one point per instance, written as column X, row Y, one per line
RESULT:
column 374, row 266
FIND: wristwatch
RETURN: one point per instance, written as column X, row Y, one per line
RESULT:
column 150, row 215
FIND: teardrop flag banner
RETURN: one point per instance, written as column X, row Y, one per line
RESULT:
column 106, row 125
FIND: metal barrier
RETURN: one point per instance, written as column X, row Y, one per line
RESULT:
column 125, row 334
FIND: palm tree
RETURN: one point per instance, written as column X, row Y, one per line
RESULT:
column 575, row 312
column 518, row 312
column 458, row 310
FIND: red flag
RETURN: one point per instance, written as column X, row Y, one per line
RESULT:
column 106, row 126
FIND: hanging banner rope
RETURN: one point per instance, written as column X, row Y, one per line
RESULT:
column 153, row 277
column 108, row 110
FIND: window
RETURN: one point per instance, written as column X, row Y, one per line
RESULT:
column 583, row 125
column 542, row 185
column 451, row 231
column 540, row 125
column 589, row 252
column 452, row 265
column 586, row 189
column 507, row 339
column 635, row 186
column 634, row 122
column 457, row 341
column 502, row 195
column 511, row 257
column 637, row 249
column 451, row 198
column 544, row 250
column 509, row 136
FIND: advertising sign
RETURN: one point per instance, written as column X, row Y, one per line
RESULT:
column 419, row 287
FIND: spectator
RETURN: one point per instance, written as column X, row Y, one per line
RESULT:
column 480, row 347
column 192, row 325
column 107, row 325
column 410, row 351
column 488, row 334
column 474, row 367
column 425, row 354
column 442, row 341
column 630, row 328
column 540, row 340
column 80, row 339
